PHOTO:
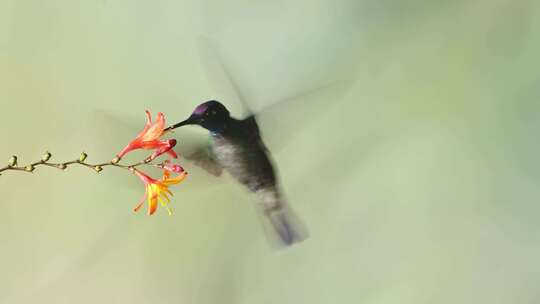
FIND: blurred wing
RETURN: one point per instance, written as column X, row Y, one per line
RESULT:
column 219, row 74
column 205, row 159
column 115, row 131
column 282, row 121
column 279, row 120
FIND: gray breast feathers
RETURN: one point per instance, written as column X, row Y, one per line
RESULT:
column 246, row 162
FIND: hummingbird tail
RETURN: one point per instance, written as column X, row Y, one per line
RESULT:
column 280, row 222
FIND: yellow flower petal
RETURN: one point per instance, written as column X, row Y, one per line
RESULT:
column 161, row 200
column 168, row 210
column 152, row 201
column 164, row 195
column 175, row 180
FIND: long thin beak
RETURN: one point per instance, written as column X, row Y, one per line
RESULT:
column 189, row 121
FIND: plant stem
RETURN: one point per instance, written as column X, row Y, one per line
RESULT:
column 63, row 166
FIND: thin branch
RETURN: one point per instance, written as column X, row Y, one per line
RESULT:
column 81, row 161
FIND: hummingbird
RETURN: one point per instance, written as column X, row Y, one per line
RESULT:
column 236, row 146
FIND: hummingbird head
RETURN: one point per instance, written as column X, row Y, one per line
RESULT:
column 211, row 115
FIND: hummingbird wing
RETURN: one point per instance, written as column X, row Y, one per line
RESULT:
column 279, row 119
column 282, row 121
column 220, row 76
column 113, row 132
column 204, row 158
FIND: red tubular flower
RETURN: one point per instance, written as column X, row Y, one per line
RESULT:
column 148, row 139
column 165, row 147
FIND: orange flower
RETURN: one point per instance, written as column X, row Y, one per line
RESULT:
column 148, row 139
column 157, row 190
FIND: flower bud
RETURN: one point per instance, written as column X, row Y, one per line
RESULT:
column 13, row 161
column 167, row 165
column 83, row 157
column 62, row 166
column 98, row 168
column 29, row 168
column 116, row 160
column 45, row 157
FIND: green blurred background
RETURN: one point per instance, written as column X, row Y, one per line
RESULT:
column 417, row 174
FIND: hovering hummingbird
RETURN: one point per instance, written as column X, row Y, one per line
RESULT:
column 236, row 146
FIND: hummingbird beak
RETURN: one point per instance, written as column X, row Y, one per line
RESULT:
column 190, row 121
